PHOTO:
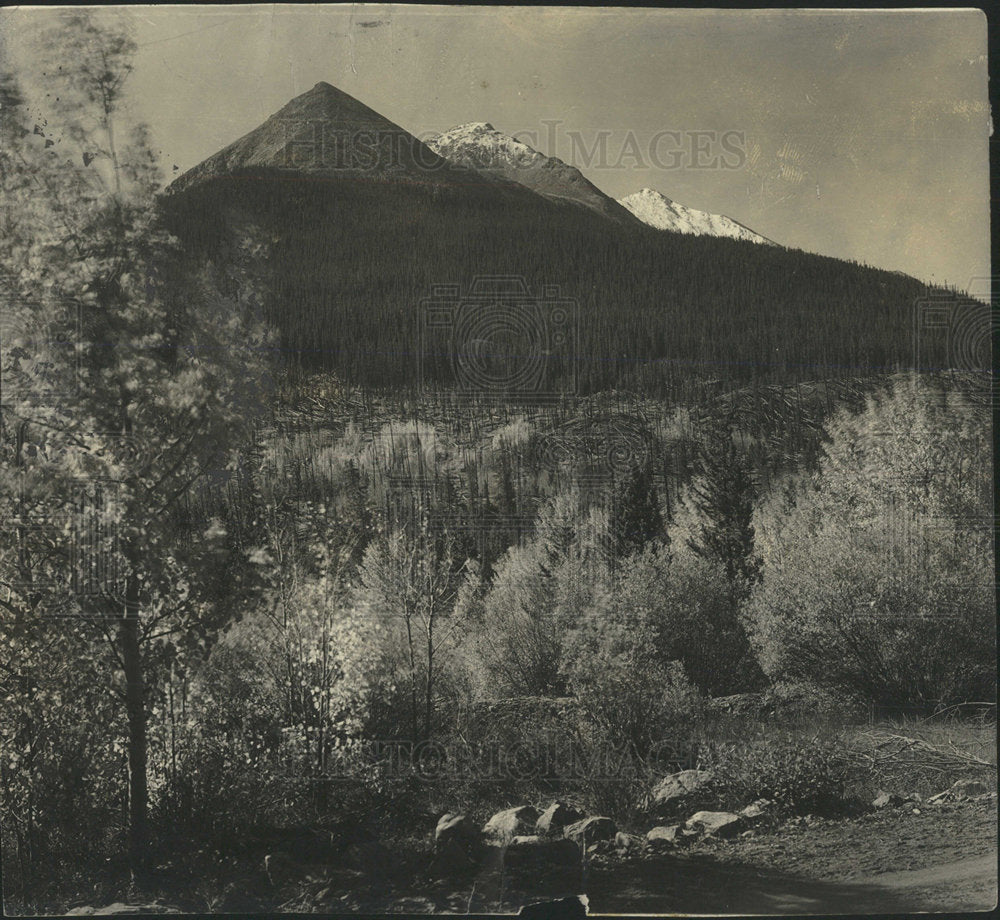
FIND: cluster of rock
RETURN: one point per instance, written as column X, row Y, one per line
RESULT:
column 563, row 836
column 522, row 835
column 688, row 789
column 962, row 791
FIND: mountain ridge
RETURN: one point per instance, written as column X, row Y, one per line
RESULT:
column 657, row 210
column 478, row 145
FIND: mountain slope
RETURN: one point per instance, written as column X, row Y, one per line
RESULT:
column 353, row 266
column 327, row 134
column 479, row 146
column 660, row 212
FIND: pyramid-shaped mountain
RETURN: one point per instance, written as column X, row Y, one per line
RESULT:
column 327, row 133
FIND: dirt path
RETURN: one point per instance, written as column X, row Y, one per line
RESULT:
column 970, row 884
column 884, row 863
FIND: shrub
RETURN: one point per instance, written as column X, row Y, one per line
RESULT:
column 800, row 775
column 879, row 578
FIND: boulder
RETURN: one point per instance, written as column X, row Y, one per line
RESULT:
column 451, row 858
column 721, row 824
column 561, row 909
column 591, row 830
column 627, row 841
column 679, row 789
column 887, row 800
column 511, row 822
column 532, row 850
column 556, row 818
column 456, row 828
column 757, row 811
column 601, row 848
column 672, row 834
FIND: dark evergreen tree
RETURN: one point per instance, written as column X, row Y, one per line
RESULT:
column 725, row 496
column 636, row 517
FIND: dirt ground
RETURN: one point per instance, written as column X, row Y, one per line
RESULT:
column 943, row 859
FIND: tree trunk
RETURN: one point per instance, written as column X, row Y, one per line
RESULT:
column 135, row 706
column 429, row 686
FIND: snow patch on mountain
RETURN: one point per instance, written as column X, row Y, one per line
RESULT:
column 481, row 143
column 660, row 212
column 481, row 147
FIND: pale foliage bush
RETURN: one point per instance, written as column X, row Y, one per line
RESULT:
column 879, row 573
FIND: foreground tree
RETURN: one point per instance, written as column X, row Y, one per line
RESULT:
column 124, row 390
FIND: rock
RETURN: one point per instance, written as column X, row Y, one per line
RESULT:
column 562, row 909
column 556, row 818
column 673, row 834
column 755, row 812
column 601, row 848
column 963, row 789
column 887, row 800
column 680, row 788
column 451, row 858
column 591, row 830
column 509, row 823
column 721, row 824
column 282, row 870
column 120, row 908
column 627, row 841
column 458, row 828
column 532, row 850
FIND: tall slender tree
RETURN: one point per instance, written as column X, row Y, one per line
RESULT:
column 725, row 495
column 128, row 389
column 636, row 515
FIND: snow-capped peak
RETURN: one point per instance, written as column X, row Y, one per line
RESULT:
column 480, row 144
column 655, row 209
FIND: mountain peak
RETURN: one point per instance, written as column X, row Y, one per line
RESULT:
column 478, row 145
column 655, row 209
column 322, row 131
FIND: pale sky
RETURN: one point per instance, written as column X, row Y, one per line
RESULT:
column 859, row 134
